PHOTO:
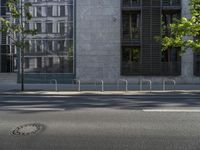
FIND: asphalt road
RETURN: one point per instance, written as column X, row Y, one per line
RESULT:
column 102, row 122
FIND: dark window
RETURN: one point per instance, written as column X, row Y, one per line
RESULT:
column 130, row 60
column 32, row 45
column 168, row 18
column 39, row 62
column 131, row 54
column 69, row 12
column 27, row 63
column 51, row 62
column 27, row 46
column 27, row 26
column 49, row 11
column 62, row 28
column 49, row 28
column 49, row 45
column 39, row 27
column 171, row 55
column 61, row 45
column 39, row 45
column 171, row 61
column 62, row 10
column 39, row 11
column 131, row 26
column 197, row 63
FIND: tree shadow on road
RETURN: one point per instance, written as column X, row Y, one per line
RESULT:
column 34, row 104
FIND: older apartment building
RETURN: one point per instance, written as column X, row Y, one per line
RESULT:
column 100, row 39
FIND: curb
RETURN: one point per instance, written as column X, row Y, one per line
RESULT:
column 107, row 93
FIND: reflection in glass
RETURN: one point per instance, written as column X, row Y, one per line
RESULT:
column 51, row 50
column 131, row 26
column 130, row 60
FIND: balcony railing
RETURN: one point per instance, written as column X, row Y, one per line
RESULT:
column 166, row 69
column 131, row 37
column 130, row 3
column 171, row 2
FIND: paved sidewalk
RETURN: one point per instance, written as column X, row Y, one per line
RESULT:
column 91, row 89
column 105, row 93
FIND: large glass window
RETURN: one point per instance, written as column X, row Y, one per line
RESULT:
column 51, row 50
column 38, row 11
column 168, row 18
column 171, row 58
column 131, row 60
column 39, row 28
column 49, row 11
column 7, row 50
column 131, row 26
column 49, row 27
column 62, row 10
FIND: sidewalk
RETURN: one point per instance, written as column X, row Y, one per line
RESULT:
column 106, row 93
column 68, row 89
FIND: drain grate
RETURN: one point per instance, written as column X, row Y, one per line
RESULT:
column 28, row 129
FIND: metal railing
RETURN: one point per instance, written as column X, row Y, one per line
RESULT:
column 143, row 81
column 130, row 3
column 168, row 80
column 79, row 84
column 137, row 68
column 171, row 2
column 122, row 80
column 102, row 84
column 55, row 82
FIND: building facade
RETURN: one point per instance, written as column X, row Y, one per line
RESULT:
column 7, row 52
column 103, row 39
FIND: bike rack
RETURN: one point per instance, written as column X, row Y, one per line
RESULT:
column 168, row 80
column 79, row 84
column 102, row 85
column 56, row 84
column 145, row 80
column 122, row 80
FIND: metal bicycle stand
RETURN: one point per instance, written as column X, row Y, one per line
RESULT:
column 148, row 81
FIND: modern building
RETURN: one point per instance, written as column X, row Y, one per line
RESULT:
column 101, row 39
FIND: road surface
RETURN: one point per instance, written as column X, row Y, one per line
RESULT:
column 95, row 122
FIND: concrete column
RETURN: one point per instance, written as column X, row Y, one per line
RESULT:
column 188, row 57
column 98, row 40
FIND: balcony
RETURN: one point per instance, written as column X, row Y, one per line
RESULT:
column 131, row 5
column 171, row 4
column 133, row 38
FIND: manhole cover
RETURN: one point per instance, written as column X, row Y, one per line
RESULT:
column 28, row 129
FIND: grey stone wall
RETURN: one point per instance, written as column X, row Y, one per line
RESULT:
column 98, row 40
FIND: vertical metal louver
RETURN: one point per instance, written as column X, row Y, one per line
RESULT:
column 146, row 39
column 155, row 32
column 151, row 12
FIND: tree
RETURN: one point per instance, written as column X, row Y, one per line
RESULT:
column 16, row 29
column 184, row 27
